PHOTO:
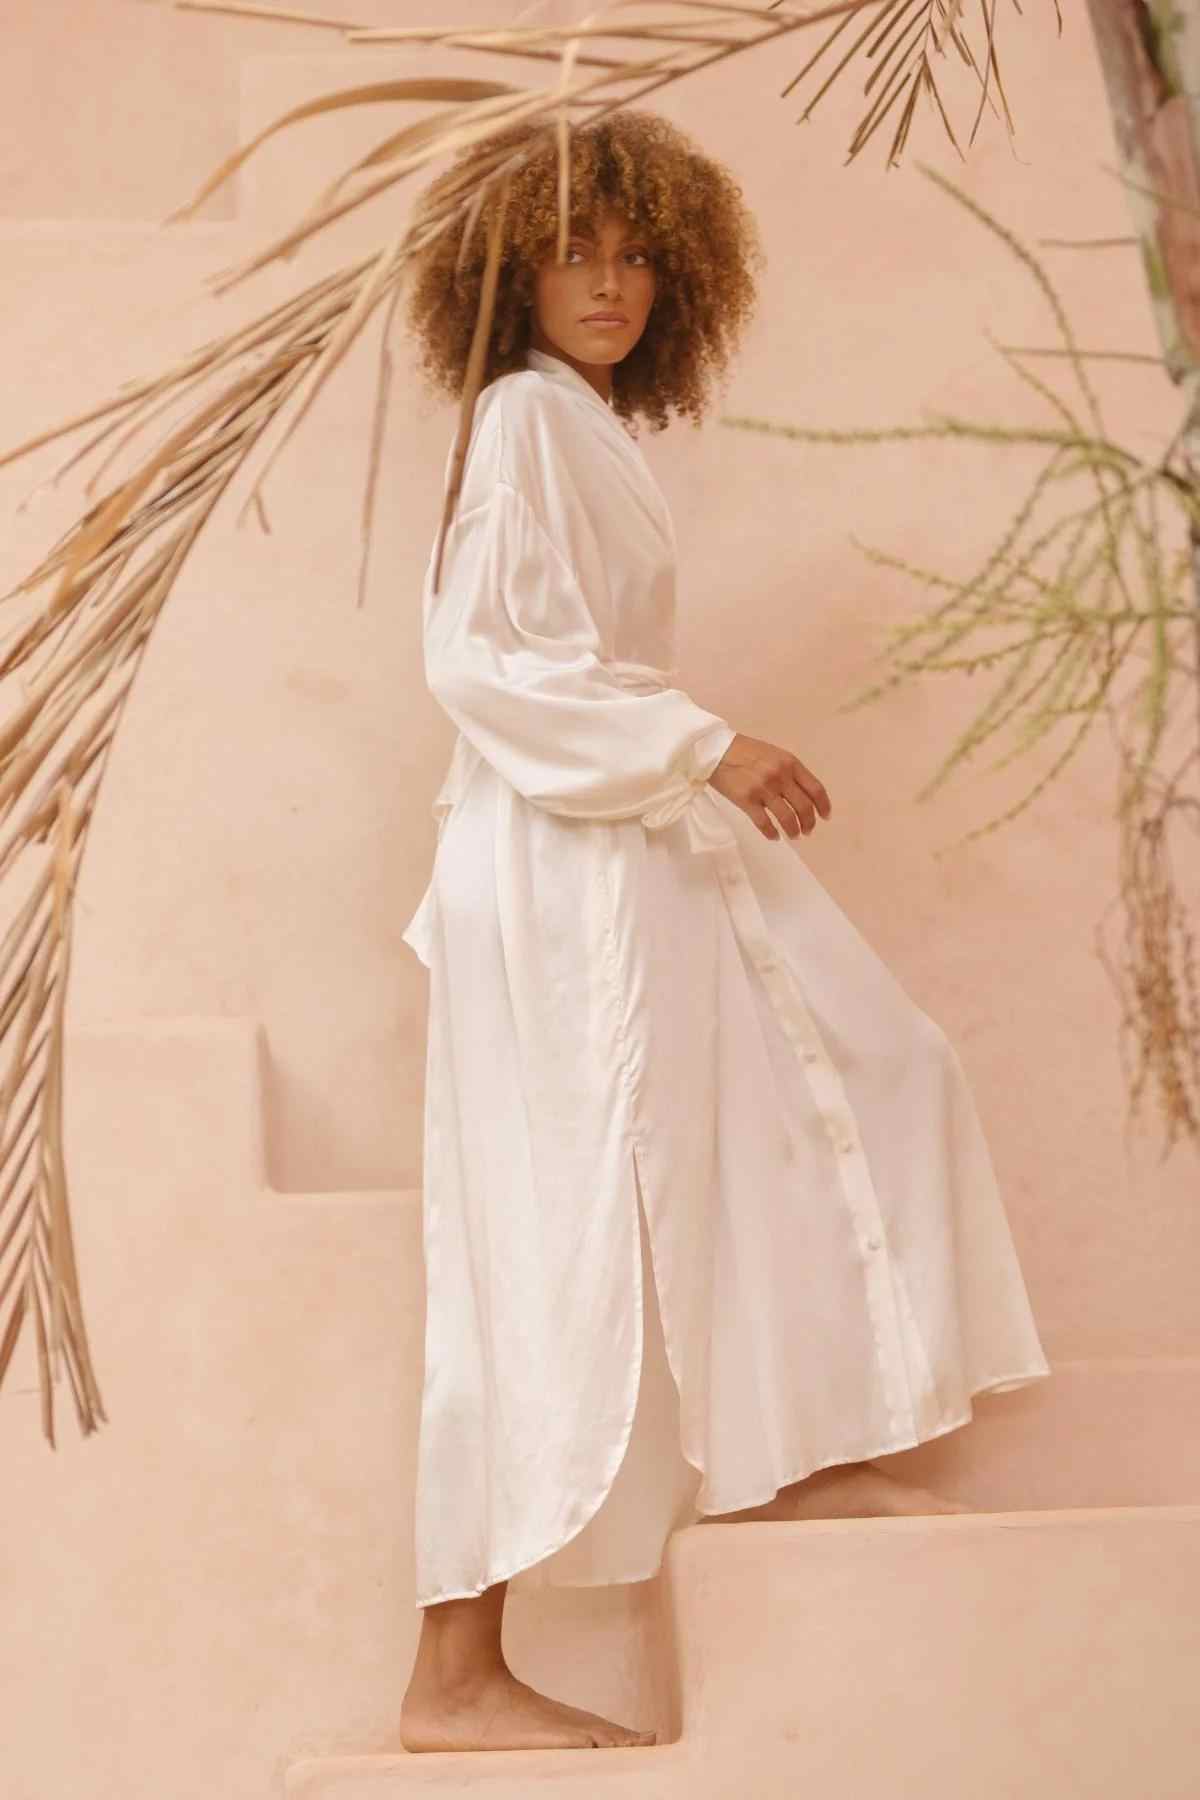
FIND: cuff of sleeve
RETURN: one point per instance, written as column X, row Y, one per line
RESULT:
column 708, row 749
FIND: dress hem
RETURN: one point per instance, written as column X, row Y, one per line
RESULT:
column 912, row 1443
column 1006, row 1382
column 530, row 1562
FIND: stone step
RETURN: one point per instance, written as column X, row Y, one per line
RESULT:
column 662, row 1772
column 993, row 1654
column 1002, row 1654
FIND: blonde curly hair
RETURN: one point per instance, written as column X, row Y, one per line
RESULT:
column 703, row 239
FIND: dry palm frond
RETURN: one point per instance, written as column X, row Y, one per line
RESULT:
column 116, row 567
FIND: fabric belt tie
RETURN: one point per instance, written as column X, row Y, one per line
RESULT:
column 707, row 827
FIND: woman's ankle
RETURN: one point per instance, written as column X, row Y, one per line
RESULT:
column 459, row 1650
column 454, row 1665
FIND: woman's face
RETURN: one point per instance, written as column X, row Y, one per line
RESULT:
column 610, row 273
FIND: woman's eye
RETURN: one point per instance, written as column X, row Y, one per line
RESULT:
column 575, row 250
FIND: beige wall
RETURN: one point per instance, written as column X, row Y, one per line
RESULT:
column 264, row 832
column 265, row 829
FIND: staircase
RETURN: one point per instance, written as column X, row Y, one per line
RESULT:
column 235, row 1549
column 215, row 1597
column 1048, row 1653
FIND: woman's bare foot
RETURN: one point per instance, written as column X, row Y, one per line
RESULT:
column 462, row 1695
column 500, row 1712
column 858, row 1490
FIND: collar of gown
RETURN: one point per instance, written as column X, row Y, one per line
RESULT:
column 563, row 372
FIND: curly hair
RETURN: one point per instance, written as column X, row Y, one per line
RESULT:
column 703, row 239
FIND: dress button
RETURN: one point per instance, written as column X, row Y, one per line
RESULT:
column 845, row 1145
column 809, row 1054
column 873, row 1243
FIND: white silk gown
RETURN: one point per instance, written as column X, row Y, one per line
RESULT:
column 707, row 1203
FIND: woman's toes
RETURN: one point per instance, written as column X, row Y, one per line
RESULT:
column 620, row 1737
column 608, row 1733
column 909, row 1498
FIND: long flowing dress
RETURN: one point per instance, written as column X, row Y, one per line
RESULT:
column 707, row 1203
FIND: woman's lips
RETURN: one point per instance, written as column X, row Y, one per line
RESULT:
column 609, row 323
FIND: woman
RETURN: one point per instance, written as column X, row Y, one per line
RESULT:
column 709, row 1220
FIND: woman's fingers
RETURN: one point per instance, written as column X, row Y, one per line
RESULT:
column 762, row 818
column 794, row 797
column 814, row 788
column 793, row 814
column 792, row 807
column 773, row 787
column 804, row 796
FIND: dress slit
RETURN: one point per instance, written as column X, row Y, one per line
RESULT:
column 653, row 1488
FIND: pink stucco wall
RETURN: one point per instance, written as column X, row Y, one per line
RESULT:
column 265, row 831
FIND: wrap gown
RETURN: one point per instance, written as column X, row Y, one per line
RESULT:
column 707, row 1204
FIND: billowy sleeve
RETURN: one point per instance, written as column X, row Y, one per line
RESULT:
column 512, row 655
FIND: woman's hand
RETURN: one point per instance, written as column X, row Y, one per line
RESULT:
column 766, row 781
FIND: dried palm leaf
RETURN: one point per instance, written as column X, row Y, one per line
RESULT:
column 116, row 567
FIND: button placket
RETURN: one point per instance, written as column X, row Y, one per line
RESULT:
column 832, row 1104
column 709, row 833
column 888, row 1304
